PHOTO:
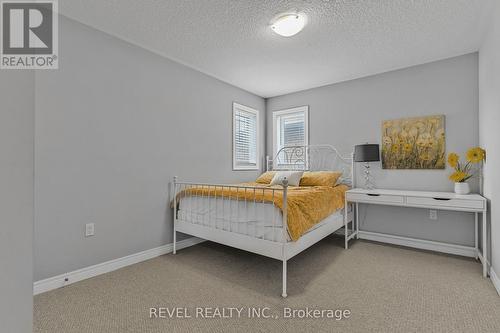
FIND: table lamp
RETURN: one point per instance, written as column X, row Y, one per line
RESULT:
column 367, row 153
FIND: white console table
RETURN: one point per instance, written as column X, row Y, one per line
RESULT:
column 474, row 203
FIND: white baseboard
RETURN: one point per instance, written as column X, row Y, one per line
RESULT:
column 108, row 266
column 495, row 279
column 419, row 243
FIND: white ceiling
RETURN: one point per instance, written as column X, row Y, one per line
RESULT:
column 344, row 39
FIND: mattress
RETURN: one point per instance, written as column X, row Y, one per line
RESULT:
column 257, row 219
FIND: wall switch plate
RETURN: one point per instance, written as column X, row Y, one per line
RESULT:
column 433, row 214
column 89, row 229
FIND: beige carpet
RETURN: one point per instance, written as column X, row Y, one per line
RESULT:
column 387, row 289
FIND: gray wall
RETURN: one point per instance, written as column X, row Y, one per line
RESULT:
column 114, row 124
column 351, row 113
column 489, row 120
column 16, row 200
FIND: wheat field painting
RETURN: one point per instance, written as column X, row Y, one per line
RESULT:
column 414, row 143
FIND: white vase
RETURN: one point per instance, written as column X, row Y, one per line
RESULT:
column 462, row 188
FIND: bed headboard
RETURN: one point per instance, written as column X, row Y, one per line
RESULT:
column 312, row 158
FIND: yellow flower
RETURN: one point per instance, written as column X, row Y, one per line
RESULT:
column 407, row 148
column 476, row 155
column 431, row 143
column 453, row 160
column 425, row 156
column 458, row 176
column 395, row 148
column 421, row 142
column 424, row 140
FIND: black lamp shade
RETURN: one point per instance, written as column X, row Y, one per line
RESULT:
column 366, row 153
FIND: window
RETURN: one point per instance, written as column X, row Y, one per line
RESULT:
column 245, row 138
column 290, row 128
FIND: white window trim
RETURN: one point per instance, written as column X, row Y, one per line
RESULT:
column 236, row 107
column 277, row 114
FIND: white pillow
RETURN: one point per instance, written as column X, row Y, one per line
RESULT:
column 293, row 177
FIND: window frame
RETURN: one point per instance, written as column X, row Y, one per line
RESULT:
column 238, row 108
column 278, row 114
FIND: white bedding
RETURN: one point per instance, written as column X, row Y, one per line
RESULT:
column 260, row 219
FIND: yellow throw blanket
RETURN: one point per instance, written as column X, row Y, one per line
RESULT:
column 306, row 205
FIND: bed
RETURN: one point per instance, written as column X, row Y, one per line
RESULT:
column 274, row 221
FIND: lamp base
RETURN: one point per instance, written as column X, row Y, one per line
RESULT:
column 368, row 182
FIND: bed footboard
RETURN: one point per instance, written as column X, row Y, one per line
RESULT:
column 244, row 217
column 249, row 210
column 210, row 216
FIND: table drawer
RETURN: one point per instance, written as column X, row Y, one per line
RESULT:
column 445, row 202
column 373, row 197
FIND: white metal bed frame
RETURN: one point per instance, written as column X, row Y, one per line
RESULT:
column 311, row 157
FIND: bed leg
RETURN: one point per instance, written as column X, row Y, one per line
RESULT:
column 284, row 253
column 283, row 294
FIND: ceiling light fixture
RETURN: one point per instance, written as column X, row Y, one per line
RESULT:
column 288, row 25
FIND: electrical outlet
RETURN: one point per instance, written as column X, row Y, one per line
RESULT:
column 89, row 229
column 433, row 214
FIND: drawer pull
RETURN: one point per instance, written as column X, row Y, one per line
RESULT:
column 373, row 194
column 442, row 199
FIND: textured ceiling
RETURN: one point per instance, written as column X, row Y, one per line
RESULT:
column 344, row 39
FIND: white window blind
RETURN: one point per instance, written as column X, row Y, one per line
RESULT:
column 245, row 138
column 290, row 128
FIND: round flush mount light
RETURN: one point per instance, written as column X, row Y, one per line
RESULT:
column 287, row 25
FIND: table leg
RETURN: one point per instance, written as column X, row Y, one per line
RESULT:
column 485, row 246
column 475, row 234
column 357, row 220
column 346, row 224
